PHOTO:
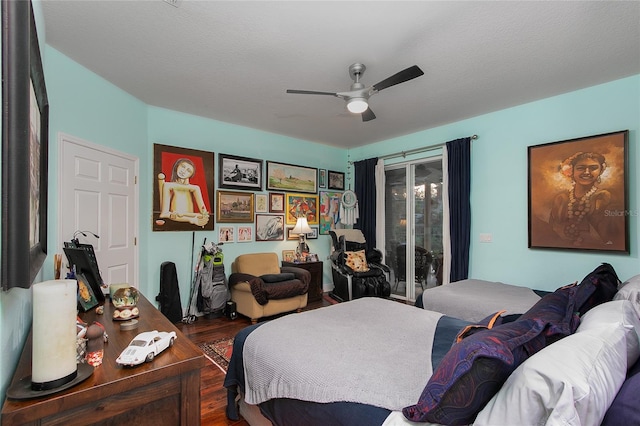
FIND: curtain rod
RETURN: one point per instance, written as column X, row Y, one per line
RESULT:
column 417, row 150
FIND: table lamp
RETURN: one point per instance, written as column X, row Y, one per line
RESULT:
column 302, row 229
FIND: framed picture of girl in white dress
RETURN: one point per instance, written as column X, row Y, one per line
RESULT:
column 578, row 194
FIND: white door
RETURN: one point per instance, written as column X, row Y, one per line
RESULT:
column 98, row 195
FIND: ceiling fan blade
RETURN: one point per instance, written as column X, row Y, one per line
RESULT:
column 310, row 92
column 404, row 75
column 368, row 115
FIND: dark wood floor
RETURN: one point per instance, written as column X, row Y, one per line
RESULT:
column 213, row 395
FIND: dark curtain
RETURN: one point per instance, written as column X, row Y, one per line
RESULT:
column 459, row 165
column 365, row 189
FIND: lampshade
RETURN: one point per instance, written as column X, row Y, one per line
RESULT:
column 302, row 227
column 357, row 105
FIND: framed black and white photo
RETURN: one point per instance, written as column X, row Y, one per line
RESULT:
column 314, row 234
column 335, row 180
column 239, row 172
column 25, row 141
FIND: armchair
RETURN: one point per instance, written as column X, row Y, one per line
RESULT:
column 357, row 270
column 261, row 288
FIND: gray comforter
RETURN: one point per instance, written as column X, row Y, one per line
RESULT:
column 381, row 348
column 473, row 300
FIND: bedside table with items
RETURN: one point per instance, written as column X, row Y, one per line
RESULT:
column 315, row 285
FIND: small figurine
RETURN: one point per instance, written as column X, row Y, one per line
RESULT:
column 96, row 338
column 125, row 301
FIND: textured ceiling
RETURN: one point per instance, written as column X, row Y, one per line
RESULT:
column 232, row 61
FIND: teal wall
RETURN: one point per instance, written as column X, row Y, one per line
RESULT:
column 85, row 106
column 171, row 128
column 499, row 179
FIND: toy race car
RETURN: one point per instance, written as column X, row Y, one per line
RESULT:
column 145, row 346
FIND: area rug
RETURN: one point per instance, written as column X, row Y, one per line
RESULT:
column 219, row 352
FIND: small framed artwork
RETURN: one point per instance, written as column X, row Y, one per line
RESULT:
column 322, row 178
column 276, row 202
column 239, row 172
column 312, row 257
column 336, row 180
column 269, row 227
column 235, row 207
column 245, row 234
column 262, row 203
column 226, row 234
column 290, row 235
column 86, row 297
column 299, row 205
column 313, row 235
column 329, row 214
column 287, row 177
column 288, row 255
column 578, row 194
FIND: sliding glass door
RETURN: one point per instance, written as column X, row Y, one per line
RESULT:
column 413, row 226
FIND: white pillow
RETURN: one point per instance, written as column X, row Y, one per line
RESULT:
column 572, row 381
column 630, row 290
column 617, row 313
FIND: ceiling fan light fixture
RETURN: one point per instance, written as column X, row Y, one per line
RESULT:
column 357, row 105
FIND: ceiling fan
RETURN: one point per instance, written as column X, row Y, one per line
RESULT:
column 358, row 97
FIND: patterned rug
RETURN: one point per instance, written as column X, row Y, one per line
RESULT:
column 219, row 352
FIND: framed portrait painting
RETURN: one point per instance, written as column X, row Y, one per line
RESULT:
column 25, row 142
column 299, row 205
column 288, row 177
column 183, row 189
column 235, row 206
column 239, row 172
column 269, row 227
column 578, row 194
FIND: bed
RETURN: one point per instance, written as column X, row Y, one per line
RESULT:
column 373, row 361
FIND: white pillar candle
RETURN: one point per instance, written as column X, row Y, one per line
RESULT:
column 54, row 334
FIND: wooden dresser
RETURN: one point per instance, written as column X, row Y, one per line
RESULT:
column 315, row 285
column 165, row 391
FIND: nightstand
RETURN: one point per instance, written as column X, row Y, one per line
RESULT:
column 315, row 285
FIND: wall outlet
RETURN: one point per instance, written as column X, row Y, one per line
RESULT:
column 486, row 238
